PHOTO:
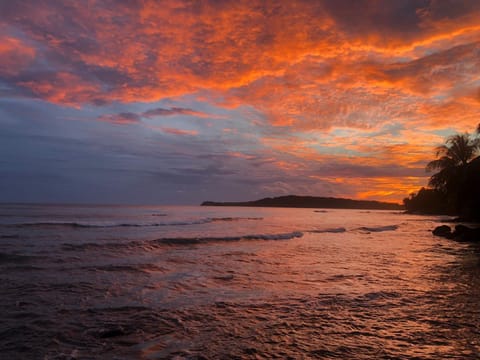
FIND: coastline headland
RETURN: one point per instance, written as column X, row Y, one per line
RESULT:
column 295, row 201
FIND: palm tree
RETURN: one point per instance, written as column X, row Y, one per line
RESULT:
column 452, row 160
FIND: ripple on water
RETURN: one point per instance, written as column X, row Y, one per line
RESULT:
column 148, row 292
column 373, row 325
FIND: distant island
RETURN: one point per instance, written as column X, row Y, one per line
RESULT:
column 294, row 201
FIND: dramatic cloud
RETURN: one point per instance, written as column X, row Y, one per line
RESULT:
column 321, row 97
column 15, row 56
column 181, row 132
column 173, row 111
column 122, row 118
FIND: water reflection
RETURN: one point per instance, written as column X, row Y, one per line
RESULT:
column 92, row 293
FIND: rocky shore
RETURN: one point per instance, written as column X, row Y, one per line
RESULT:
column 460, row 233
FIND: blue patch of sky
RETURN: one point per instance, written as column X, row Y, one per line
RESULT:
column 446, row 132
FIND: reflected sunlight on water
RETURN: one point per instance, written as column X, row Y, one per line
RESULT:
column 159, row 282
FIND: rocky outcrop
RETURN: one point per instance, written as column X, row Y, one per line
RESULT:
column 443, row 231
column 461, row 233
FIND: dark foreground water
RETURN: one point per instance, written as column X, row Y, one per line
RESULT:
column 233, row 283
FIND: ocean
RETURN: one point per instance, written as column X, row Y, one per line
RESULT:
column 175, row 282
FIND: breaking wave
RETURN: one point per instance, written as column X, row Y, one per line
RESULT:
column 75, row 224
column 329, row 230
column 234, row 218
column 367, row 229
column 378, row 228
column 180, row 241
column 200, row 240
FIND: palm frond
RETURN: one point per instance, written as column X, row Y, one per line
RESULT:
column 441, row 163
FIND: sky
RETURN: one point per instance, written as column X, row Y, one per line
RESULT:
column 177, row 102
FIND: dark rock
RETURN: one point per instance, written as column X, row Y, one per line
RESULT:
column 464, row 233
column 250, row 351
column 461, row 233
column 460, row 230
column 443, row 231
column 109, row 333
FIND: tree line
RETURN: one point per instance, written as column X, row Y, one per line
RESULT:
column 454, row 188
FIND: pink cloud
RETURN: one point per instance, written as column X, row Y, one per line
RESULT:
column 15, row 55
column 175, row 131
column 288, row 76
column 125, row 118
column 175, row 111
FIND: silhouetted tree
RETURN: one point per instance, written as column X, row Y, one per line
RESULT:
column 426, row 201
column 452, row 160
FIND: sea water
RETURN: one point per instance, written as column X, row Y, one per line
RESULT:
column 162, row 282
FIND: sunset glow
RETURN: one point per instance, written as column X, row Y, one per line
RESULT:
column 179, row 101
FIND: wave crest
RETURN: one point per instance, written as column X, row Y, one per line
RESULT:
column 200, row 240
column 329, row 230
column 76, row 224
column 378, row 228
column 178, row 241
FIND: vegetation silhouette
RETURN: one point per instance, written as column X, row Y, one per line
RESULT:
column 454, row 188
column 426, row 201
column 295, row 201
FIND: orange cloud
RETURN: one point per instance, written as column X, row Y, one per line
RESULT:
column 288, row 76
column 175, row 131
column 15, row 56
column 175, row 48
column 63, row 88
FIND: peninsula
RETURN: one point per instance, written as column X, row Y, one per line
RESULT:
column 294, row 201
